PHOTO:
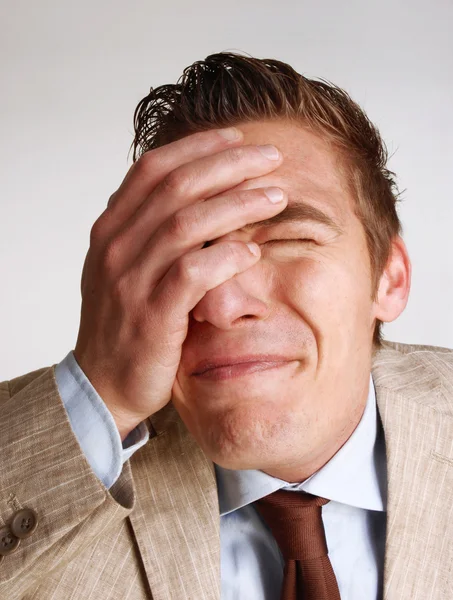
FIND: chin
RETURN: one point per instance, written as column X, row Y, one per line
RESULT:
column 244, row 436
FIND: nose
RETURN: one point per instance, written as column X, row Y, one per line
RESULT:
column 228, row 305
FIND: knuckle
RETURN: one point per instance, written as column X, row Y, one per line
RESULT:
column 179, row 225
column 177, row 182
column 233, row 252
column 235, row 155
column 111, row 201
column 146, row 163
column 120, row 290
column 110, row 256
column 237, row 253
column 241, row 200
column 97, row 232
column 188, row 269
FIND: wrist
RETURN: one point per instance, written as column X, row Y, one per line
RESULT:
column 125, row 425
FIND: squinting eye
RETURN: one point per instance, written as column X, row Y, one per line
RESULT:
column 293, row 241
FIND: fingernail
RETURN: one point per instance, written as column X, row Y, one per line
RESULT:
column 274, row 194
column 230, row 134
column 269, row 152
column 254, row 249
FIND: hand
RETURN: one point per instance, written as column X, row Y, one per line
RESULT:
column 146, row 267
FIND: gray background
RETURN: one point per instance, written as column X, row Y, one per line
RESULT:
column 72, row 73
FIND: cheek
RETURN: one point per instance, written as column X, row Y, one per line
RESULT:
column 330, row 295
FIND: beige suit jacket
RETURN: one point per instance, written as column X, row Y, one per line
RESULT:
column 155, row 534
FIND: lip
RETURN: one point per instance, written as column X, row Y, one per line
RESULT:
column 229, row 367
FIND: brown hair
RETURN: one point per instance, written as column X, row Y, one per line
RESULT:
column 227, row 88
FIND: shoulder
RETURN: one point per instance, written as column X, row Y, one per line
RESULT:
column 423, row 372
column 434, row 357
column 10, row 388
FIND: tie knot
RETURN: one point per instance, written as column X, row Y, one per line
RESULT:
column 296, row 522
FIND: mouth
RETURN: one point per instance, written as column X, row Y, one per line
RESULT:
column 229, row 368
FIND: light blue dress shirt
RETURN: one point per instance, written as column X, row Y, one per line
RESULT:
column 355, row 480
column 93, row 424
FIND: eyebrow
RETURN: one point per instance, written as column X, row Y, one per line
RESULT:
column 298, row 212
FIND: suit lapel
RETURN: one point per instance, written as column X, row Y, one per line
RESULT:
column 176, row 519
column 412, row 402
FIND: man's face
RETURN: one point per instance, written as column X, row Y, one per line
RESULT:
column 301, row 319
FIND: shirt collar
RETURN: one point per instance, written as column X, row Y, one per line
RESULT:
column 355, row 475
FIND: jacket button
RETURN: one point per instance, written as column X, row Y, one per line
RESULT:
column 24, row 523
column 8, row 542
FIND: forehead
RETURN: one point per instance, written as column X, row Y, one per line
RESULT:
column 310, row 171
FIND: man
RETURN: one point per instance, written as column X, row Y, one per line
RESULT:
column 230, row 360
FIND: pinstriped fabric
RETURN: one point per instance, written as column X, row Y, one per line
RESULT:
column 415, row 401
column 43, row 468
column 4, row 392
column 109, row 570
column 158, row 527
column 176, row 522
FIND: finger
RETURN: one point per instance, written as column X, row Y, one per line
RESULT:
column 195, row 273
column 204, row 178
column 190, row 228
column 190, row 183
column 154, row 165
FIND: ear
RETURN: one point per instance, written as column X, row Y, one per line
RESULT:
column 395, row 283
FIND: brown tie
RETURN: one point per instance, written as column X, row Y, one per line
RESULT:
column 296, row 523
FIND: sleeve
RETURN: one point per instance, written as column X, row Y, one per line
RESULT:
column 93, row 425
column 44, row 471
